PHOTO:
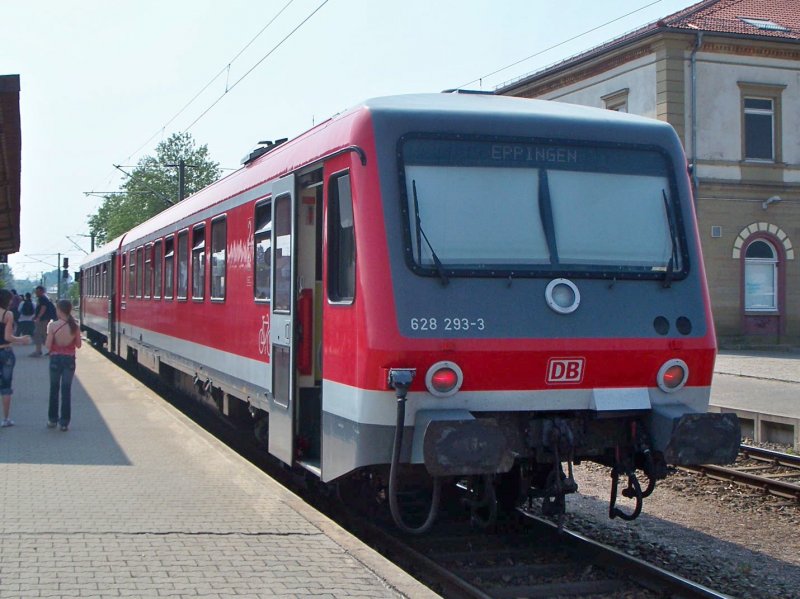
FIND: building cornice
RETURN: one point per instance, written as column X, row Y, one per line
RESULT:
column 613, row 55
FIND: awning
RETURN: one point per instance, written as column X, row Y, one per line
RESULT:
column 10, row 163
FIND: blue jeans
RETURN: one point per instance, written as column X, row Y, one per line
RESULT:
column 7, row 362
column 62, row 369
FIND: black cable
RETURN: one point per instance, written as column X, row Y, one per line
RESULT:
column 263, row 58
column 513, row 64
column 214, row 78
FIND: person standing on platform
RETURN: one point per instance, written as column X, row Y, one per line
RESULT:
column 26, row 314
column 7, row 358
column 45, row 312
column 13, row 305
column 63, row 338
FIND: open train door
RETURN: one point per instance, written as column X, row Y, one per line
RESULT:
column 282, row 309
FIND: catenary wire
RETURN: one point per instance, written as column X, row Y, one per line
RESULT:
column 263, row 58
column 213, row 79
column 561, row 43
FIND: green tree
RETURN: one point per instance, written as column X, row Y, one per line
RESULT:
column 153, row 186
column 6, row 277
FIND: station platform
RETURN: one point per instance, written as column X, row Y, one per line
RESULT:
column 763, row 389
column 136, row 500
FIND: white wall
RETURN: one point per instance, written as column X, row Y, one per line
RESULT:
column 719, row 132
column 639, row 76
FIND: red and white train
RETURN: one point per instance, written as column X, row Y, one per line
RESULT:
column 438, row 287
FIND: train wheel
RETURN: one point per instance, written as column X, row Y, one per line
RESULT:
column 510, row 490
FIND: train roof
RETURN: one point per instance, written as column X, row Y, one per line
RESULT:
column 510, row 106
column 102, row 253
column 438, row 109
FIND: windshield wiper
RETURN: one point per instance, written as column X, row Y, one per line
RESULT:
column 420, row 231
column 546, row 216
column 672, row 255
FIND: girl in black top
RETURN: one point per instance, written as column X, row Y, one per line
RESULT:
column 7, row 359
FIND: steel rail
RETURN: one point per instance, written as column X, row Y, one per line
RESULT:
column 772, row 485
column 779, row 488
column 768, row 455
column 646, row 574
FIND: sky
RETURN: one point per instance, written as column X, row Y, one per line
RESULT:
column 103, row 81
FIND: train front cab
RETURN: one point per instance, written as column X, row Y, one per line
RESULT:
column 555, row 354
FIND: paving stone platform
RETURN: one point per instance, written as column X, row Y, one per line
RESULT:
column 135, row 500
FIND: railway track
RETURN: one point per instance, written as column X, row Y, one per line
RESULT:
column 530, row 559
column 770, row 471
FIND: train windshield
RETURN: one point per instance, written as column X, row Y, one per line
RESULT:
column 492, row 209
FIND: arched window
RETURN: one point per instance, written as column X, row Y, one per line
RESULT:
column 761, row 277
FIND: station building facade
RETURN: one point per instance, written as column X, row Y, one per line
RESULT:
column 726, row 75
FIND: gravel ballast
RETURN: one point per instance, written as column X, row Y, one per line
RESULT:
column 730, row 538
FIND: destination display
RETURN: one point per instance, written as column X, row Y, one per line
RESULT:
column 426, row 151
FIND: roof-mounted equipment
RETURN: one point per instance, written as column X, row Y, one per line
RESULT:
column 262, row 148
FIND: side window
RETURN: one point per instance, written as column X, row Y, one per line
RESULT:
column 762, row 137
column 183, row 264
column 157, row 255
column 148, row 270
column 124, row 280
column 761, row 277
column 132, row 273
column 219, row 239
column 341, row 241
column 617, row 101
column 759, row 129
column 140, row 266
column 169, row 266
column 104, row 290
column 199, row 262
column 263, row 251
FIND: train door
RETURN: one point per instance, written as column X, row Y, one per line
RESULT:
column 281, row 330
column 111, row 296
column 308, row 321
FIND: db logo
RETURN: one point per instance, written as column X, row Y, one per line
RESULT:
column 561, row 371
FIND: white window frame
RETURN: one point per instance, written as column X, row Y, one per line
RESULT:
column 757, row 262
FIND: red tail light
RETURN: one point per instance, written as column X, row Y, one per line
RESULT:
column 444, row 379
column 672, row 375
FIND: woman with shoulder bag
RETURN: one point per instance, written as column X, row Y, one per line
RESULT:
column 63, row 338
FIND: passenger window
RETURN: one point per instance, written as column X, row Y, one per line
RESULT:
column 199, row 262
column 183, row 264
column 157, row 252
column 169, row 266
column 219, row 232
column 341, row 241
column 140, row 266
column 124, row 281
column 263, row 251
column 282, row 275
column 148, row 270
column 132, row 273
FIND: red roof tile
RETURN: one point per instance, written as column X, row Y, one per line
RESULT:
column 725, row 16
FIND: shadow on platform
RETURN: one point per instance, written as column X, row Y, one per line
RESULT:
column 89, row 440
